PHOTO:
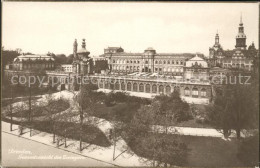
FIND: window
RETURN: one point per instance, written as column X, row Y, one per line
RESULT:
column 203, row 93
column 168, row 62
column 164, row 62
column 195, row 92
column 172, row 62
column 156, row 62
column 187, row 92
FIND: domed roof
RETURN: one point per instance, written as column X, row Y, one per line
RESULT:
column 150, row 48
column 82, row 51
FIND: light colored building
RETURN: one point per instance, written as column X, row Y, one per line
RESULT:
column 196, row 68
column 148, row 61
column 29, row 62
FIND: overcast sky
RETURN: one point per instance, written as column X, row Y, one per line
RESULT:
column 167, row 27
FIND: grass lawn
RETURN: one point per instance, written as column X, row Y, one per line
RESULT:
column 120, row 111
column 211, row 151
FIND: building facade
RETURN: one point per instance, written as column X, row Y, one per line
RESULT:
column 149, row 61
column 82, row 63
column 240, row 57
column 67, row 67
column 30, row 62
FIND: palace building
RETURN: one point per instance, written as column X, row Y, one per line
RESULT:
column 148, row 61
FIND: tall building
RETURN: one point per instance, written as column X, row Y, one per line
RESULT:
column 240, row 57
column 82, row 63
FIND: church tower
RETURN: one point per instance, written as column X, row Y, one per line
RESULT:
column 241, row 37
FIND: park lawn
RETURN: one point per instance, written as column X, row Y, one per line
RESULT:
column 120, row 111
column 211, row 151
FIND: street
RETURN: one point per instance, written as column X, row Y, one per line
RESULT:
column 19, row 151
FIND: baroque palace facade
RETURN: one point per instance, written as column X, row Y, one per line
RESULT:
column 152, row 73
column 148, row 61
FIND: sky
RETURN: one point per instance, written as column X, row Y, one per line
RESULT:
column 39, row 27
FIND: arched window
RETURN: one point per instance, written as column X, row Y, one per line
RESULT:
column 203, row 92
column 154, row 89
column 172, row 61
column 141, row 87
column 177, row 62
column 156, row 62
column 100, row 84
column 168, row 62
column 195, row 92
column 117, row 86
column 106, row 85
column 187, row 91
column 161, row 90
column 147, row 88
column 122, row 86
column 135, row 87
column 168, row 89
column 164, row 62
column 160, row 62
column 128, row 86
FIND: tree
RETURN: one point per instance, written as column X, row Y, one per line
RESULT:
column 236, row 107
column 146, row 141
column 85, row 106
column 50, row 109
column 170, row 109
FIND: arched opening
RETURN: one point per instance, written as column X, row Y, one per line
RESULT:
column 147, row 88
column 100, row 84
column 161, row 89
column 186, row 91
column 117, row 86
column 128, row 86
column 203, row 92
column 106, row 85
column 195, row 92
column 135, row 87
column 122, row 86
column 141, row 87
column 154, row 89
column 168, row 89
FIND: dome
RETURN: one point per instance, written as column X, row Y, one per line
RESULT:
column 82, row 51
column 150, row 48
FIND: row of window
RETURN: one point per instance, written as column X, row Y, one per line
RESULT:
column 155, row 69
column 195, row 92
column 146, row 62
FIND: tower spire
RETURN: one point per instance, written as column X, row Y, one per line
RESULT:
column 241, row 17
